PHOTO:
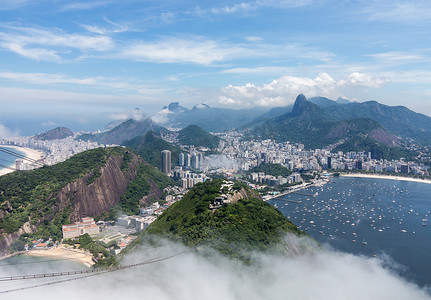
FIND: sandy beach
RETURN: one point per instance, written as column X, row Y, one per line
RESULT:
column 63, row 252
column 390, row 177
column 29, row 153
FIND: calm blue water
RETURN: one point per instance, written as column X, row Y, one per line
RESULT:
column 7, row 159
column 369, row 217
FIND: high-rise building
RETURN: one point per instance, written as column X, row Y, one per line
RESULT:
column 188, row 160
column 195, row 161
column 329, row 163
column 181, row 159
column 166, row 162
column 201, row 160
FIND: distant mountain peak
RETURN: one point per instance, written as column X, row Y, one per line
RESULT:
column 341, row 100
column 301, row 104
column 55, row 134
column 175, row 107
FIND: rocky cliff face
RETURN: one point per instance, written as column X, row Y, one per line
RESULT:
column 90, row 196
column 7, row 239
column 99, row 196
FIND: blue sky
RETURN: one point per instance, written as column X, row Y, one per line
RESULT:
column 82, row 61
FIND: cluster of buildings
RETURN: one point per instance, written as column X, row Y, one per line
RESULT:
column 293, row 156
column 56, row 150
column 187, row 179
column 140, row 223
column 363, row 161
column 87, row 225
column 194, row 161
column 270, row 180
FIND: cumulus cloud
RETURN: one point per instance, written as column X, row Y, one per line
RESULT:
column 322, row 274
column 6, row 132
column 135, row 114
column 283, row 90
column 161, row 117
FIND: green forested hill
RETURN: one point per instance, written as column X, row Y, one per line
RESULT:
column 194, row 135
column 150, row 146
column 313, row 126
column 88, row 184
column 234, row 229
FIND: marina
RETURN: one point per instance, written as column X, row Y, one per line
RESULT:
column 370, row 217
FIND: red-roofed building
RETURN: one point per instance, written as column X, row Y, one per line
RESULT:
column 87, row 225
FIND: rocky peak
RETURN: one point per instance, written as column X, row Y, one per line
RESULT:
column 301, row 104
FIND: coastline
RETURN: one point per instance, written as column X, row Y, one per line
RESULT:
column 29, row 153
column 62, row 252
column 390, row 177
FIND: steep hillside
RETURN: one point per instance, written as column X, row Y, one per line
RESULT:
column 88, row 184
column 378, row 150
column 123, row 132
column 236, row 229
column 150, row 146
column 55, row 134
column 310, row 124
column 194, row 135
column 399, row 120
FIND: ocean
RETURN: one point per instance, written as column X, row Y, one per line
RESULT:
column 7, row 159
column 370, row 217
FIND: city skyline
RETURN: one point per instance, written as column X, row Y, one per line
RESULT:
column 82, row 61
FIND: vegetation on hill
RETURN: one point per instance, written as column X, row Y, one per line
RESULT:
column 194, row 135
column 234, row 229
column 33, row 195
column 141, row 186
column 313, row 126
column 272, row 169
column 55, row 134
column 150, row 146
column 123, row 132
column 378, row 150
column 28, row 194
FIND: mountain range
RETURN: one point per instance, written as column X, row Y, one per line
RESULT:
column 316, row 122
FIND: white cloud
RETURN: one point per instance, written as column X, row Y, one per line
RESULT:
column 114, row 27
column 49, row 123
column 245, row 7
column 195, row 50
column 270, row 70
column 128, row 84
column 161, row 117
column 6, row 132
column 87, row 5
column 323, row 275
column 399, row 11
column 135, row 114
column 13, row 4
column 362, row 80
column 49, row 45
column 202, row 51
column 284, row 90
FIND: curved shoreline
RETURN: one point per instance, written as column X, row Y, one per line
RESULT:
column 390, row 177
column 61, row 252
column 29, row 153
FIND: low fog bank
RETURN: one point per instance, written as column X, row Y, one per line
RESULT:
column 319, row 274
column 220, row 161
